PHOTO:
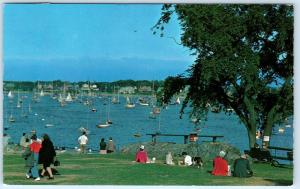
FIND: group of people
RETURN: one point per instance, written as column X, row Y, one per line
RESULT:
column 241, row 166
column 107, row 147
column 104, row 147
column 38, row 151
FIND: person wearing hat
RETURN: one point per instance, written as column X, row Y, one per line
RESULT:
column 241, row 167
column 141, row 156
column 220, row 165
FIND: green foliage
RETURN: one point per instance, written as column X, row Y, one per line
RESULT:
column 244, row 60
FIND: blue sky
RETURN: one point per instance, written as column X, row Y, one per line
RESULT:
column 89, row 42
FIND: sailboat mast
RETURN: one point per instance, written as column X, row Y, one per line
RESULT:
column 159, row 123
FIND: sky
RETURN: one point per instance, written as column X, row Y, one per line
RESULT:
column 97, row 42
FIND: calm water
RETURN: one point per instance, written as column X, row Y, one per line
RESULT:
column 67, row 120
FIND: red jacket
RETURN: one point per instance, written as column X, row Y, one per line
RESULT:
column 220, row 167
column 35, row 147
column 141, row 157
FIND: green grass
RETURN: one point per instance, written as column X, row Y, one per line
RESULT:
column 118, row 169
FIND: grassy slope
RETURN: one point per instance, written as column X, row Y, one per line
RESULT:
column 118, row 169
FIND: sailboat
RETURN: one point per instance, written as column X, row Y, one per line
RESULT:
column 11, row 118
column 177, row 101
column 23, row 114
column 19, row 101
column 69, row 98
column 155, row 110
column 108, row 111
column 42, row 93
column 106, row 124
column 53, row 96
column 10, row 95
column 143, row 102
column 49, row 125
column 281, row 130
column 114, row 99
column 129, row 104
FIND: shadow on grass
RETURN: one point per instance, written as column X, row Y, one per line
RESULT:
column 280, row 182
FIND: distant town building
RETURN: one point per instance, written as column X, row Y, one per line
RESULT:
column 127, row 90
column 85, row 87
column 145, row 89
column 94, row 87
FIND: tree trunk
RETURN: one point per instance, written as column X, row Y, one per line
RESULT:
column 268, row 125
column 267, row 134
column 251, row 135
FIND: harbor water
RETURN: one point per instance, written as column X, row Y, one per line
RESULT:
column 129, row 125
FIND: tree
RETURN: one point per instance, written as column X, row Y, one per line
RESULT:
column 244, row 61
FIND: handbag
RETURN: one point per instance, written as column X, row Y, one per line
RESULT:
column 56, row 162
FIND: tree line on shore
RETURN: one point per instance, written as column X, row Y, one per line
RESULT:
column 55, row 85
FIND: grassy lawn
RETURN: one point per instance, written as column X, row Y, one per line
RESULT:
column 118, row 169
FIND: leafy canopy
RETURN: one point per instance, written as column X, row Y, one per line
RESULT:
column 244, row 59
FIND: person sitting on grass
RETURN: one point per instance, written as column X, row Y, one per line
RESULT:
column 169, row 159
column 102, row 146
column 141, row 156
column 111, row 147
column 220, row 165
column 241, row 167
column 187, row 160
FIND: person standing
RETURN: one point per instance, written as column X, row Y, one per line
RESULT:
column 111, row 146
column 83, row 140
column 47, row 154
column 220, row 165
column 241, row 167
column 23, row 141
column 35, row 147
column 28, row 156
column 102, row 146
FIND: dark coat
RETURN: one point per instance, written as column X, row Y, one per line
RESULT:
column 28, row 156
column 47, row 152
column 102, row 145
column 242, row 168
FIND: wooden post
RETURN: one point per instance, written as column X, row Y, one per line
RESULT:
column 214, row 139
column 154, row 138
column 185, row 139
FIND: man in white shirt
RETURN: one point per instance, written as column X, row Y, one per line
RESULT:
column 187, row 160
column 83, row 140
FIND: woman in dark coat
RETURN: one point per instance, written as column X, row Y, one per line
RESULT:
column 47, row 154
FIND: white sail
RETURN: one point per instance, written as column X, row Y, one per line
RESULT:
column 60, row 98
column 42, row 93
column 10, row 95
column 69, row 98
column 178, row 100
